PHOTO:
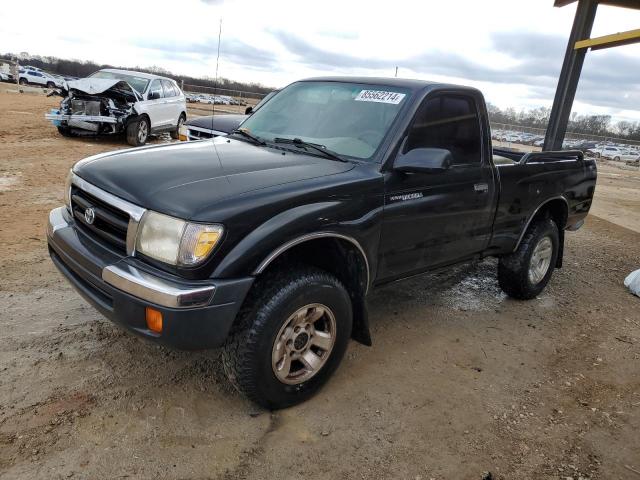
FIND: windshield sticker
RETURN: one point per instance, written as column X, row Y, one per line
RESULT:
column 379, row 96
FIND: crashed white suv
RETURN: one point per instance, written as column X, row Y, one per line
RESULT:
column 113, row 101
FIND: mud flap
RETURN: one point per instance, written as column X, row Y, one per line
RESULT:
column 560, row 249
column 360, row 332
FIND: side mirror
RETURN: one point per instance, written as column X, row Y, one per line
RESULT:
column 424, row 160
column 153, row 95
column 248, row 110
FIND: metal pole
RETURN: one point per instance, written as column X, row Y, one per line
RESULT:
column 569, row 75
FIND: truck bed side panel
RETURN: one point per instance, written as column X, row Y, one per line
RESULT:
column 525, row 187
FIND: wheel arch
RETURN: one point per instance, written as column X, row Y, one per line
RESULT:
column 556, row 208
column 338, row 254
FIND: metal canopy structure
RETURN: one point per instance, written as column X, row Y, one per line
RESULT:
column 579, row 43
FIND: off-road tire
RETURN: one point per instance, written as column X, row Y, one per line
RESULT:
column 175, row 134
column 513, row 269
column 133, row 129
column 247, row 353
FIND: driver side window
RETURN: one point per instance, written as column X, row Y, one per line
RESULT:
column 155, row 90
column 451, row 122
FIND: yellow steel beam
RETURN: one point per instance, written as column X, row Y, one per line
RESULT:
column 614, row 40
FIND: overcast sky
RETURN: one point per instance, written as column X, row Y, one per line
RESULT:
column 511, row 49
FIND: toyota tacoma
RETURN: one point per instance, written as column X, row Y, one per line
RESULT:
column 268, row 242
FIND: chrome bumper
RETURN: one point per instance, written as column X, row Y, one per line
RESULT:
column 139, row 283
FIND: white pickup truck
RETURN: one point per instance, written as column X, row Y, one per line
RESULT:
column 120, row 101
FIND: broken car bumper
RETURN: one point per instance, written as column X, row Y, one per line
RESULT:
column 59, row 117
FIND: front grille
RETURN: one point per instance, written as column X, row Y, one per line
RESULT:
column 109, row 223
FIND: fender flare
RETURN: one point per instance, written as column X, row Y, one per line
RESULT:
column 313, row 236
column 535, row 212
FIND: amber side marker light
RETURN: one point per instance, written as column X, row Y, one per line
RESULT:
column 154, row 319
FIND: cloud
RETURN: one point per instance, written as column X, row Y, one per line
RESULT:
column 231, row 49
column 609, row 78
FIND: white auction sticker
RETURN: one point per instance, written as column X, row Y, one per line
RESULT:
column 379, row 96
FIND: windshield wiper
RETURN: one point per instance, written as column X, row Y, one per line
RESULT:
column 317, row 147
column 245, row 133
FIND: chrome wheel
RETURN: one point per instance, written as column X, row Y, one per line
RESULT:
column 303, row 344
column 143, row 131
column 540, row 260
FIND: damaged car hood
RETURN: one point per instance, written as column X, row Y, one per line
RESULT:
column 94, row 86
column 174, row 179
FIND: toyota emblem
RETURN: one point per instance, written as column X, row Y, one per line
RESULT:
column 89, row 215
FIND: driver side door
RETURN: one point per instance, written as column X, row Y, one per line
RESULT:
column 440, row 217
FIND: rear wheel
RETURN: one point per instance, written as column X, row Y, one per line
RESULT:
column 290, row 337
column 23, row 81
column 138, row 131
column 616, row 159
column 524, row 273
column 175, row 133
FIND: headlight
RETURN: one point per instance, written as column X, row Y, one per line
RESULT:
column 67, row 190
column 175, row 241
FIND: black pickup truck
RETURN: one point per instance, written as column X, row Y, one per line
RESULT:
column 268, row 241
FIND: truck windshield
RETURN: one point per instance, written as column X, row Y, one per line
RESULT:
column 138, row 83
column 350, row 119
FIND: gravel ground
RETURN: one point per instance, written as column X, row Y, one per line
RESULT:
column 460, row 380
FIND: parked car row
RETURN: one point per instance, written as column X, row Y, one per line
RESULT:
column 213, row 99
column 607, row 150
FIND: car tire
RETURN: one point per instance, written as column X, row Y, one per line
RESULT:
column 65, row 132
column 23, row 81
column 266, row 357
column 524, row 273
column 175, row 134
column 616, row 159
column 51, row 85
column 597, row 154
column 138, row 131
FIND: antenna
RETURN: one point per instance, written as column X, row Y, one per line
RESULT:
column 215, row 83
column 396, row 71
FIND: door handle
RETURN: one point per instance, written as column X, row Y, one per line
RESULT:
column 481, row 187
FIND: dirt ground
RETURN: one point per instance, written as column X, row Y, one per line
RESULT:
column 460, row 380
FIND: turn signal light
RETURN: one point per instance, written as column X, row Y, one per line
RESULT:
column 154, row 319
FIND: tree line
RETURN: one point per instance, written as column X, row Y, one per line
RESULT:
column 81, row 69
column 596, row 125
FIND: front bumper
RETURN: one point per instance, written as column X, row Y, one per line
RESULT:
column 196, row 314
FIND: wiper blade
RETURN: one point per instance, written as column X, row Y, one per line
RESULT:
column 317, row 147
column 245, row 133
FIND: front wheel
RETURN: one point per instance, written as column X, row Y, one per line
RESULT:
column 290, row 337
column 51, row 85
column 138, row 132
column 524, row 273
column 616, row 159
column 23, row 81
column 175, row 134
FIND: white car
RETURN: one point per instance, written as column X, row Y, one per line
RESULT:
column 30, row 76
column 114, row 101
column 613, row 153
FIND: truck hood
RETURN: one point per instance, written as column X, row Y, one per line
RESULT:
column 187, row 178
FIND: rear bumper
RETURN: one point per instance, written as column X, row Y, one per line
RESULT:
column 196, row 315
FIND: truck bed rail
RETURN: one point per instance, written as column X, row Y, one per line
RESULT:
column 539, row 157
